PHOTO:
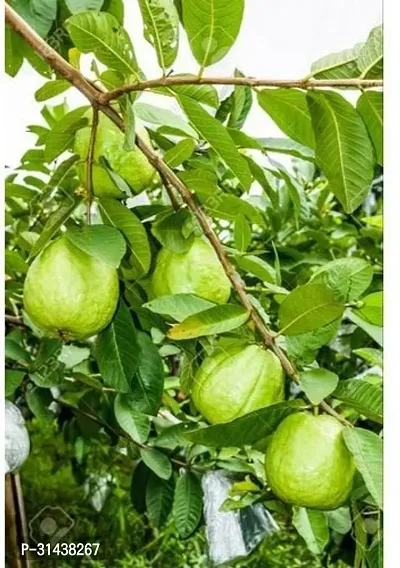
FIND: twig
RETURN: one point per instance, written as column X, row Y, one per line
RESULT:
column 170, row 190
column 98, row 98
column 89, row 162
column 243, row 81
column 14, row 320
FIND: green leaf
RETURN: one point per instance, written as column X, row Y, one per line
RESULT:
column 289, row 110
column 101, row 34
column 187, row 508
column 13, row 53
column 242, row 101
column 161, row 29
column 343, row 148
column 148, row 385
column 14, row 350
column 307, row 308
column 39, row 14
column 38, row 401
column 117, row 351
column 288, row 147
column 178, row 306
column 157, row 462
column 53, row 223
column 133, row 422
column 318, row 384
column 313, row 527
column 62, row 134
column 374, row 221
column 375, row 553
column 212, row 27
column 258, row 267
column 159, row 498
column 367, row 450
column 215, row 320
column 59, row 174
column 205, row 94
column 370, row 56
column 99, row 241
column 246, row 429
column 168, row 229
column 13, row 379
column 363, row 396
column 72, row 355
column 139, row 481
column 339, row 520
column 372, row 309
column 242, row 233
column 164, row 118
column 373, row 356
column 211, row 130
column 179, row 153
column 75, row 6
column 339, row 65
column 374, row 331
column 348, row 277
column 119, row 216
column 52, row 89
column 370, row 107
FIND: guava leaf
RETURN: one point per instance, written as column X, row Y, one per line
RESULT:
column 318, row 384
column 148, row 384
column 372, row 309
column 363, row 396
column 133, row 422
column 374, row 331
column 348, row 278
column 179, row 153
column 159, row 498
column 161, row 29
column 187, row 507
column 370, row 56
column 246, row 429
column 99, row 241
column 307, row 308
column 178, row 306
column 370, row 106
column 367, row 450
column 242, row 233
column 218, row 319
column 157, row 462
column 313, row 527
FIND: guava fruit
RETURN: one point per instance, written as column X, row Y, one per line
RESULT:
column 197, row 271
column 236, row 380
column 68, row 293
column 131, row 165
column 307, row 462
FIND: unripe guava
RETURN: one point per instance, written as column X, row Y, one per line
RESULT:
column 237, row 380
column 68, row 293
column 197, row 271
column 307, row 462
column 131, row 165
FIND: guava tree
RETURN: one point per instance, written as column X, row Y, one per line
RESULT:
column 229, row 318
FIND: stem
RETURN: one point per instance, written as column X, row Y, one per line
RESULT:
column 172, row 81
column 14, row 320
column 89, row 163
column 100, row 99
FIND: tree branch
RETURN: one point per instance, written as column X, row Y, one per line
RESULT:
column 173, row 81
column 89, row 162
column 96, row 97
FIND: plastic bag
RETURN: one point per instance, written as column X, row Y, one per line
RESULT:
column 17, row 439
column 232, row 534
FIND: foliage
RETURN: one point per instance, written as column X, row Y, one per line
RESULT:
column 299, row 219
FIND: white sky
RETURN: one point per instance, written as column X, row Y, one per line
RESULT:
column 278, row 39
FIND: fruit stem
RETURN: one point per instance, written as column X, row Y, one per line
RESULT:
column 316, row 410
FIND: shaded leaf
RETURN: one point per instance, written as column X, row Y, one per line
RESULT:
column 51, row 89
column 99, row 241
column 13, row 379
column 117, row 351
column 168, row 229
column 347, row 277
column 148, row 386
column 318, row 384
column 339, row 65
column 179, row 153
column 372, row 309
column 133, row 422
column 363, row 396
column 287, row 146
column 313, row 527
column 374, row 331
column 157, row 462
column 159, row 498
column 370, row 56
column 372, row 356
column 242, row 233
column 370, row 106
column 188, row 504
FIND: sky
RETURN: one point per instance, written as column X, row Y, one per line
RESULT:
column 278, row 40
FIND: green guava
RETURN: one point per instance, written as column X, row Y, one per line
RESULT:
column 131, row 165
column 307, row 462
column 197, row 271
column 236, row 380
column 68, row 293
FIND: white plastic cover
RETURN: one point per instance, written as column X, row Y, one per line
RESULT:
column 232, row 534
column 17, row 439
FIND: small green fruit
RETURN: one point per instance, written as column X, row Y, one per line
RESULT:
column 197, row 271
column 237, row 380
column 131, row 165
column 68, row 293
column 308, row 464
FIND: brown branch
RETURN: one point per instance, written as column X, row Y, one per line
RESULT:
column 173, row 81
column 14, row 320
column 89, row 162
column 97, row 98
